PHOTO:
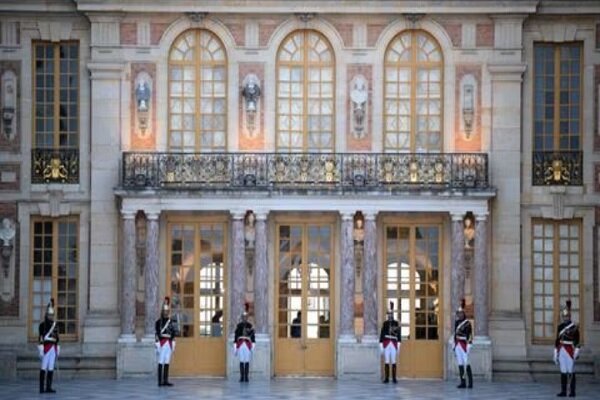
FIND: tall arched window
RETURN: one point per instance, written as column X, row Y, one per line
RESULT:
column 305, row 93
column 413, row 94
column 197, row 93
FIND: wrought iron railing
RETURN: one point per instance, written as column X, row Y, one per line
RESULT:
column 305, row 171
column 55, row 166
column 552, row 168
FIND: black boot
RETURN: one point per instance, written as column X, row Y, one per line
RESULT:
column 42, row 380
column 563, row 386
column 160, row 374
column 166, row 376
column 242, row 372
column 394, row 373
column 572, row 388
column 469, row 377
column 386, row 369
column 246, row 372
column 461, row 371
column 49, row 376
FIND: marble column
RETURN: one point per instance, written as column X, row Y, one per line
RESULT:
column 238, row 270
column 347, row 277
column 128, row 281
column 261, row 275
column 370, row 275
column 481, row 276
column 458, row 257
column 151, row 274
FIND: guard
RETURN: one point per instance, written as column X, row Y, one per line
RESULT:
column 48, row 348
column 389, row 344
column 566, row 351
column 463, row 339
column 243, row 344
column 165, row 343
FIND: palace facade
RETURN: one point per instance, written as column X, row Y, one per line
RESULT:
column 313, row 160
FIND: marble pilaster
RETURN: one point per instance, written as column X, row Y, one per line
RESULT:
column 370, row 275
column 151, row 274
column 458, row 256
column 347, row 277
column 238, row 270
column 481, row 277
column 261, row 275
column 128, row 282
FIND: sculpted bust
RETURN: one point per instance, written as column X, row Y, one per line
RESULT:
column 7, row 232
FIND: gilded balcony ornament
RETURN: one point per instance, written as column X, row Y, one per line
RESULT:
column 439, row 172
column 413, row 169
column 55, row 166
column 557, row 168
column 329, row 171
column 388, row 167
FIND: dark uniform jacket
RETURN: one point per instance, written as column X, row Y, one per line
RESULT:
column 168, row 333
column 390, row 331
column 245, row 331
column 43, row 330
column 570, row 336
column 463, row 335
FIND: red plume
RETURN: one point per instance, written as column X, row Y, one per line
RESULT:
column 246, row 306
column 167, row 300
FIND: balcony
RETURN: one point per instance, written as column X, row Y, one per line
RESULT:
column 294, row 172
column 557, row 168
column 55, row 166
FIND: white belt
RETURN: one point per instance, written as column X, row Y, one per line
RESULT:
column 243, row 338
column 50, row 340
column 461, row 338
column 391, row 337
column 165, row 336
column 566, row 342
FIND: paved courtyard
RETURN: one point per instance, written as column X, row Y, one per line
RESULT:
column 290, row 389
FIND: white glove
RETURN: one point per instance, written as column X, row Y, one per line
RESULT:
column 41, row 351
column 57, row 350
column 380, row 348
column 576, row 353
column 157, row 348
column 235, row 350
column 469, row 345
column 173, row 346
column 252, row 347
column 555, row 357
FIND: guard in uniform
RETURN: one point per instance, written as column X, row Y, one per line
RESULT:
column 243, row 344
column 165, row 343
column 566, row 351
column 389, row 344
column 48, row 348
column 463, row 339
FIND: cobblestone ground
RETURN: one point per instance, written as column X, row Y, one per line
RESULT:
column 288, row 388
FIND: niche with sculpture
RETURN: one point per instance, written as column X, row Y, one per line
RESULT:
column 359, row 95
column 249, row 244
column 143, row 104
column 251, row 109
column 469, row 249
column 8, row 232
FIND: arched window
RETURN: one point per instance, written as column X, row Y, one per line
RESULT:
column 197, row 93
column 413, row 94
column 305, row 93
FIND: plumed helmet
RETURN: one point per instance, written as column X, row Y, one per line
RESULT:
column 461, row 307
column 245, row 313
column 390, row 310
column 166, row 305
column 566, row 311
column 50, row 308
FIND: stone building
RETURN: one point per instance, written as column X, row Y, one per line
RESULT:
column 316, row 160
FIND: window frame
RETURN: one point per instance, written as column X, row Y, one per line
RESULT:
column 556, row 106
column 306, row 65
column 54, row 278
column 556, row 281
column 56, row 96
column 197, row 63
column 414, row 66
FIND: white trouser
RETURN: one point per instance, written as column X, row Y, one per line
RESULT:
column 244, row 353
column 49, row 359
column 462, row 356
column 390, row 353
column 566, row 361
column 164, row 353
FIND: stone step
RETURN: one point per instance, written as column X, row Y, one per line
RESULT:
column 70, row 367
column 537, row 370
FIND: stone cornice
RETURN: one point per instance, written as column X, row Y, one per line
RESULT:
column 314, row 6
